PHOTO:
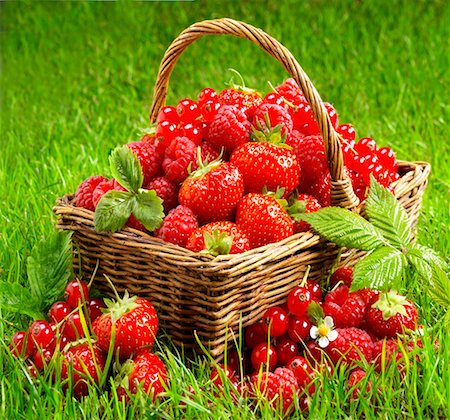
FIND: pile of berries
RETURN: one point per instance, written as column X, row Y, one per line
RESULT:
column 235, row 169
column 72, row 345
column 296, row 344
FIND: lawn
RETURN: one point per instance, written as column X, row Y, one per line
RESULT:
column 76, row 81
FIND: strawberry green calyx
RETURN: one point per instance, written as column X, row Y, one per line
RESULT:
column 122, row 306
column 219, row 243
column 204, row 166
column 124, row 371
column 266, row 133
column 296, row 208
column 391, row 304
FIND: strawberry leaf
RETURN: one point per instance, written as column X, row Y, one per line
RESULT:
column 126, row 168
column 17, row 298
column 379, row 270
column 148, row 209
column 387, row 214
column 345, row 228
column 113, row 211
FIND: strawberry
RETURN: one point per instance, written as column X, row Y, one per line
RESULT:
column 133, row 323
column 213, row 191
column 177, row 226
column 301, row 204
column 218, row 238
column 229, row 129
column 146, row 371
column 263, row 219
column 267, row 165
column 83, row 363
column 389, row 314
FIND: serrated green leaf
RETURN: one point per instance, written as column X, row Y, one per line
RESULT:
column 113, row 211
column 126, row 168
column 148, row 209
column 439, row 288
column 379, row 270
column 16, row 298
column 345, row 228
column 386, row 213
column 421, row 252
column 49, row 268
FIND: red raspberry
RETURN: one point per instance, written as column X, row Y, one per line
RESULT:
column 275, row 321
column 229, row 129
column 83, row 195
column 321, row 190
column 290, row 91
column 149, row 158
column 342, row 275
column 180, row 153
column 286, row 350
column 351, row 344
column 177, row 226
column 280, row 388
column 389, row 314
column 332, row 114
column 347, row 309
column 244, row 101
column 269, row 116
column 355, row 382
column 308, row 205
column 103, row 188
column 166, row 190
column 275, row 98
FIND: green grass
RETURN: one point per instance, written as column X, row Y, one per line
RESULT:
column 76, row 81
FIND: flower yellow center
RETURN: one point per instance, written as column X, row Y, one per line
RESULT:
column 323, row 330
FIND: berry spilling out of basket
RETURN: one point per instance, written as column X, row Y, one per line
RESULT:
column 73, row 344
column 230, row 171
column 294, row 346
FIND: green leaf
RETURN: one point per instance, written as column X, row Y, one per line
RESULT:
column 439, row 288
column 148, row 209
column 16, row 298
column 387, row 214
column 126, row 168
column 113, row 211
column 49, row 268
column 379, row 270
column 419, row 254
column 345, row 228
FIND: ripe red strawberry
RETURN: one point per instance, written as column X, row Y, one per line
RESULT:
column 177, row 226
column 246, row 100
column 267, row 165
column 321, row 190
column 351, row 344
column 166, row 190
column 229, row 129
column 263, row 220
column 133, row 321
column 342, row 275
column 83, row 363
column 218, row 238
column 213, row 191
column 389, row 314
column 268, row 117
column 303, row 203
column 280, row 388
column 347, row 309
column 149, row 158
column 146, row 371
column 83, row 195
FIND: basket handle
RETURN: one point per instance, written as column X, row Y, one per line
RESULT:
column 342, row 193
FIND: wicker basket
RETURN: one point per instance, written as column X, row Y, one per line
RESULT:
column 197, row 294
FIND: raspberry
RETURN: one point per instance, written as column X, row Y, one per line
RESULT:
column 269, row 116
column 83, row 195
column 351, row 344
column 148, row 157
column 103, row 188
column 244, row 101
column 346, row 309
column 180, row 153
column 274, row 98
column 280, row 388
column 309, row 205
column 303, row 119
column 342, row 275
column 166, row 190
column 321, row 190
column 332, row 114
column 177, row 226
column 290, row 91
column 229, row 129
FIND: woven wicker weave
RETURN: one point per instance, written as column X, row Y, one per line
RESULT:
column 196, row 293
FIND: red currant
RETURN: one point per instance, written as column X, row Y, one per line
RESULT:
column 302, row 117
column 332, row 114
column 235, row 360
column 303, row 372
column 342, row 275
column 77, row 292
column 166, row 131
column 94, row 307
column 286, row 349
column 314, row 288
column 72, row 327
column 217, row 375
column 59, row 311
column 42, row 357
column 386, row 156
column 366, row 145
column 299, row 300
column 264, row 355
column 168, row 113
column 41, row 333
column 313, row 352
column 299, row 328
column 206, row 95
column 209, row 110
column 193, row 132
column 21, row 345
column 188, row 110
column 255, row 334
column 275, row 321
column 346, row 131
column 32, row 370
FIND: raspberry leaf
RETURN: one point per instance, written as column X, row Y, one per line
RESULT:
column 113, row 211
column 379, row 270
column 386, row 213
column 126, row 168
column 345, row 228
column 148, row 209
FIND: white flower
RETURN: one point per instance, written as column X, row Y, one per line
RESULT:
column 324, row 332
